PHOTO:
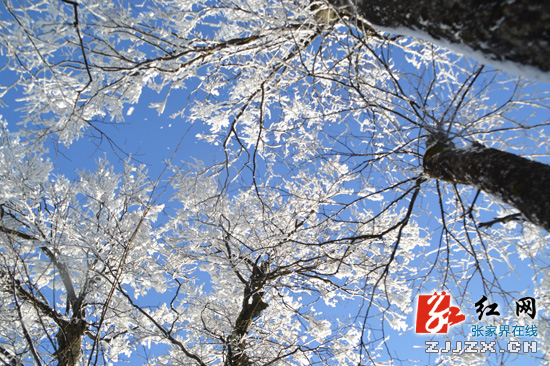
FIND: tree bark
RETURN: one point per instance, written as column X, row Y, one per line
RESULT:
column 517, row 31
column 69, row 343
column 252, row 307
column 520, row 182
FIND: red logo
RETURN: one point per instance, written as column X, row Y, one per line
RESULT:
column 435, row 314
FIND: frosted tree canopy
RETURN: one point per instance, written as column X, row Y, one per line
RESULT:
column 308, row 236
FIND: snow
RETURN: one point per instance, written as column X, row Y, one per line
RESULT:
column 507, row 66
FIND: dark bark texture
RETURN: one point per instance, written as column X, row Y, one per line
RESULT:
column 69, row 343
column 514, row 30
column 252, row 307
column 520, row 182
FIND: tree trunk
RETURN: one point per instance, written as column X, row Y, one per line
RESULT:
column 520, row 182
column 69, row 343
column 517, row 31
column 252, row 307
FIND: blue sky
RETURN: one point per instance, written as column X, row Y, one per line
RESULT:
column 152, row 139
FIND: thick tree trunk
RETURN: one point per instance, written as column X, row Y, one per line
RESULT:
column 69, row 343
column 517, row 30
column 520, row 182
